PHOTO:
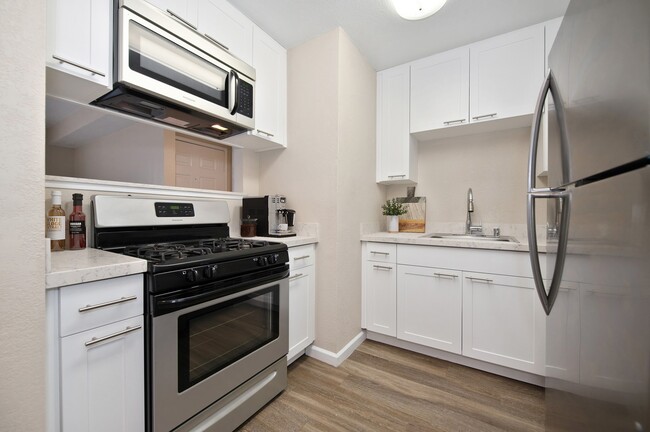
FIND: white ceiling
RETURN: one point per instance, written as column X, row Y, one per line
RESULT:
column 386, row 39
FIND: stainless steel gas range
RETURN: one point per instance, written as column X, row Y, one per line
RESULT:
column 216, row 310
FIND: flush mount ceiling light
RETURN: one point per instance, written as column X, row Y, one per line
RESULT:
column 417, row 9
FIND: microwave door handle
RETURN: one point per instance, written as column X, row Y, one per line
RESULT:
column 234, row 91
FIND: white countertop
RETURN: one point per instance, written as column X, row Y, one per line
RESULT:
column 77, row 266
column 421, row 239
column 298, row 240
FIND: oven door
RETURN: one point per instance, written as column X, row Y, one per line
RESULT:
column 202, row 352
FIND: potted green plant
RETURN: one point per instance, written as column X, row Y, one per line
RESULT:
column 392, row 210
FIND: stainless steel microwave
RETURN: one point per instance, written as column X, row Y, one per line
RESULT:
column 167, row 71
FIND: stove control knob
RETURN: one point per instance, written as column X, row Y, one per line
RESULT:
column 191, row 275
column 262, row 261
column 273, row 258
column 210, row 272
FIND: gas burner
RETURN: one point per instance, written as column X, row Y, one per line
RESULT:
column 162, row 252
column 231, row 244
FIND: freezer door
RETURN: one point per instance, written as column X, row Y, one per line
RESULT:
column 601, row 63
column 598, row 331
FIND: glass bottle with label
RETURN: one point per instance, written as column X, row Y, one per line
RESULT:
column 77, row 225
column 55, row 227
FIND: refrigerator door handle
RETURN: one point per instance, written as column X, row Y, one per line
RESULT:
column 564, row 197
column 534, row 193
column 548, row 85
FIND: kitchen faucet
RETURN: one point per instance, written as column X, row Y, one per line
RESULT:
column 469, row 228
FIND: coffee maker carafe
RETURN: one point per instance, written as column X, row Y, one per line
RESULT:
column 273, row 218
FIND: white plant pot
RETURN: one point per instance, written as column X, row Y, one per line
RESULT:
column 392, row 222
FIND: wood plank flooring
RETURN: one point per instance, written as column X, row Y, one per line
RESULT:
column 383, row 388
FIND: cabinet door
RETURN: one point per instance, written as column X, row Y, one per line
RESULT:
column 396, row 149
column 270, row 63
column 506, row 74
column 219, row 20
column 381, row 297
column 186, row 10
column 429, row 305
column 503, row 322
column 80, row 38
column 102, row 382
column 301, row 310
column 440, row 91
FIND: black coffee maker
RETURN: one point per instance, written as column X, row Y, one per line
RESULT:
column 273, row 218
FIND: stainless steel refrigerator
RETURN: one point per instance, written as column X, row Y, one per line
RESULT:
column 594, row 280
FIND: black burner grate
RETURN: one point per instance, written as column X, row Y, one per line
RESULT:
column 162, row 252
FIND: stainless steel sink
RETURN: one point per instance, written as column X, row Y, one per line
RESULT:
column 479, row 237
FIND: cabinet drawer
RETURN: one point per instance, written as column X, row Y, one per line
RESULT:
column 301, row 256
column 89, row 305
column 382, row 252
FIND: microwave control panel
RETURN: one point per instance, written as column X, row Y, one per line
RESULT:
column 245, row 99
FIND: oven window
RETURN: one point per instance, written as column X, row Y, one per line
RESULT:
column 210, row 339
column 156, row 57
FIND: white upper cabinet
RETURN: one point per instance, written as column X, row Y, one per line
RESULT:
column 440, row 90
column 79, row 44
column 183, row 10
column 506, row 74
column 270, row 63
column 396, row 149
column 224, row 24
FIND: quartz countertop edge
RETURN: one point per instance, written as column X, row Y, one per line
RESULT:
column 421, row 239
column 73, row 267
column 289, row 241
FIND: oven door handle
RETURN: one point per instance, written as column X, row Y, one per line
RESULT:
column 169, row 305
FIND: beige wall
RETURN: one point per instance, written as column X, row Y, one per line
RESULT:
column 327, row 171
column 493, row 164
column 22, row 165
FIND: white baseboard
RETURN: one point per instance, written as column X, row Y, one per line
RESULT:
column 335, row 359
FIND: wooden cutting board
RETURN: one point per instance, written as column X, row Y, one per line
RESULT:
column 414, row 219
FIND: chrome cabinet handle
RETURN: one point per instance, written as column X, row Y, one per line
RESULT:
column 108, row 303
column 397, row 176
column 378, row 267
column 475, row 279
column 97, row 340
column 453, row 121
column 216, row 41
column 484, row 116
column 379, row 253
column 80, row 66
column 445, row 275
column 296, row 276
column 301, row 257
column 181, row 19
column 269, row 134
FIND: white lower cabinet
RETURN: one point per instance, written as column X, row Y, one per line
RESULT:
column 503, row 322
column 95, row 356
column 302, row 300
column 429, row 307
column 465, row 305
column 102, row 381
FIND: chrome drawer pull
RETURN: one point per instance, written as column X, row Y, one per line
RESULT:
column 377, row 267
column 269, row 134
column 301, row 257
column 181, row 19
column 397, row 176
column 80, row 66
column 379, row 253
column 296, row 276
column 108, row 303
column 479, row 279
column 453, row 121
column 128, row 329
column 484, row 116
column 445, row 275
column 216, row 41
